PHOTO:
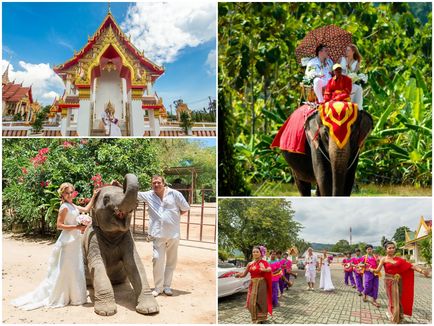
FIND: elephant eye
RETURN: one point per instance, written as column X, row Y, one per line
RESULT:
column 106, row 200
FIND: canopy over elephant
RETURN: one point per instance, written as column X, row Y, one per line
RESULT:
column 322, row 146
column 109, row 251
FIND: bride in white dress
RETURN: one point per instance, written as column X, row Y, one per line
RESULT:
column 65, row 283
column 111, row 124
column 351, row 65
column 325, row 281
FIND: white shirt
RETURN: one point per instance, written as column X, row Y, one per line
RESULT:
column 310, row 262
column 316, row 69
column 164, row 215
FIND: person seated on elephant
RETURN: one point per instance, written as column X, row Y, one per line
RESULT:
column 350, row 66
column 320, row 69
column 339, row 87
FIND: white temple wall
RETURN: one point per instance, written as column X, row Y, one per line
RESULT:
column 108, row 88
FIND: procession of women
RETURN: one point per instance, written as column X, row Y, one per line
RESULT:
column 272, row 276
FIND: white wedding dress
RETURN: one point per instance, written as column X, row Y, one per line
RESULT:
column 325, row 281
column 65, row 283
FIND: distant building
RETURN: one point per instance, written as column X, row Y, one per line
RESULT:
column 413, row 240
column 17, row 101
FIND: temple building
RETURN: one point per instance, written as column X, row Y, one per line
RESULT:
column 109, row 68
column 17, row 102
column 413, row 240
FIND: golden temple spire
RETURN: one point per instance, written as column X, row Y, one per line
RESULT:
column 109, row 10
column 5, row 77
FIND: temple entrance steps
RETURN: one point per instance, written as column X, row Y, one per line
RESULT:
column 101, row 132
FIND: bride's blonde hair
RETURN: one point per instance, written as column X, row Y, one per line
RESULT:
column 63, row 187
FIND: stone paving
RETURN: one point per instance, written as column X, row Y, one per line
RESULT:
column 343, row 306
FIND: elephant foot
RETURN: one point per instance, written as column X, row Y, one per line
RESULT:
column 105, row 308
column 147, row 305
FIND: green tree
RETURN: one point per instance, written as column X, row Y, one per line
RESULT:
column 246, row 222
column 34, row 168
column 426, row 249
column 341, row 246
column 399, row 235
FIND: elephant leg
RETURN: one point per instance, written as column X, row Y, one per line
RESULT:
column 146, row 303
column 104, row 299
column 322, row 171
column 351, row 175
column 303, row 187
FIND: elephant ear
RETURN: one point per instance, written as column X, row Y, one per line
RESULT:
column 312, row 128
column 365, row 127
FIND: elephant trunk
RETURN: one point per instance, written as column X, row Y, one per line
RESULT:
column 339, row 164
column 131, row 188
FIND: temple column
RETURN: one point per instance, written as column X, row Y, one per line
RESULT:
column 84, row 114
column 154, row 121
column 149, row 88
column 137, row 119
column 64, row 122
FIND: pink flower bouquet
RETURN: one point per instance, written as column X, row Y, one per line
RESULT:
column 84, row 220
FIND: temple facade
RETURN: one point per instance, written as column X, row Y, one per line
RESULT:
column 413, row 240
column 108, row 69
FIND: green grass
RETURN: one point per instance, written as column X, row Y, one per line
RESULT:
column 364, row 190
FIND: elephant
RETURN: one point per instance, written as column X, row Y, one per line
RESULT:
column 332, row 168
column 109, row 251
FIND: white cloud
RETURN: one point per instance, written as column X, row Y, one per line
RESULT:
column 327, row 220
column 162, row 30
column 211, row 62
column 50, row 95
column 46, row 84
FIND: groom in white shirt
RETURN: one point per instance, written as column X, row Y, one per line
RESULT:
column 320, row 69
column 166, row 206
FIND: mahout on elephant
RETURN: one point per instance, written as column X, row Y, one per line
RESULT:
column 110, row 253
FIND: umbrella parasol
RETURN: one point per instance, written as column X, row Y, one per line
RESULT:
column 335, row 38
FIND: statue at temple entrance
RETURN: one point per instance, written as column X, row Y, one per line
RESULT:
column 110, row 122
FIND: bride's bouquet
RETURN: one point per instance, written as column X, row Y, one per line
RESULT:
column 84, row 220
column 358, row 78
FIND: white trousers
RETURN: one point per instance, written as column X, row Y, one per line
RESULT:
column 165, row 257
column 310, row 275
column 357, row 95
column 318, row 86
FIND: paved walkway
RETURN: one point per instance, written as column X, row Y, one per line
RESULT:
column 343, row 306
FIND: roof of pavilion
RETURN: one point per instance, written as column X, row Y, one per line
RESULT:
column 125, row 41
column 16, row 92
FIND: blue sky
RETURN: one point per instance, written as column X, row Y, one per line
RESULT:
column 181, row 38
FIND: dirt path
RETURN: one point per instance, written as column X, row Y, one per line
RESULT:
column 194, row 300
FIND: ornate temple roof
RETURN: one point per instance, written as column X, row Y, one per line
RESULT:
column 16, row 92
column 108, row 22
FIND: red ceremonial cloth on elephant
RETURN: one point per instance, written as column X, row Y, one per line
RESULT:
column 291, row 136
column 338, row 117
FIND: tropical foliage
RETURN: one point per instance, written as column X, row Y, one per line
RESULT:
column 246, row 222
column 259, row 87
column 34, row 168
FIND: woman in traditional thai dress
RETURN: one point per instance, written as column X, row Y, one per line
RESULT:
column 350, row 66
column 259, row 294
column 398, row 283
column 65, row 283
column 325, row 281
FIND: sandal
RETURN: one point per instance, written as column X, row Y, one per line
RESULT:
column 376, row 304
